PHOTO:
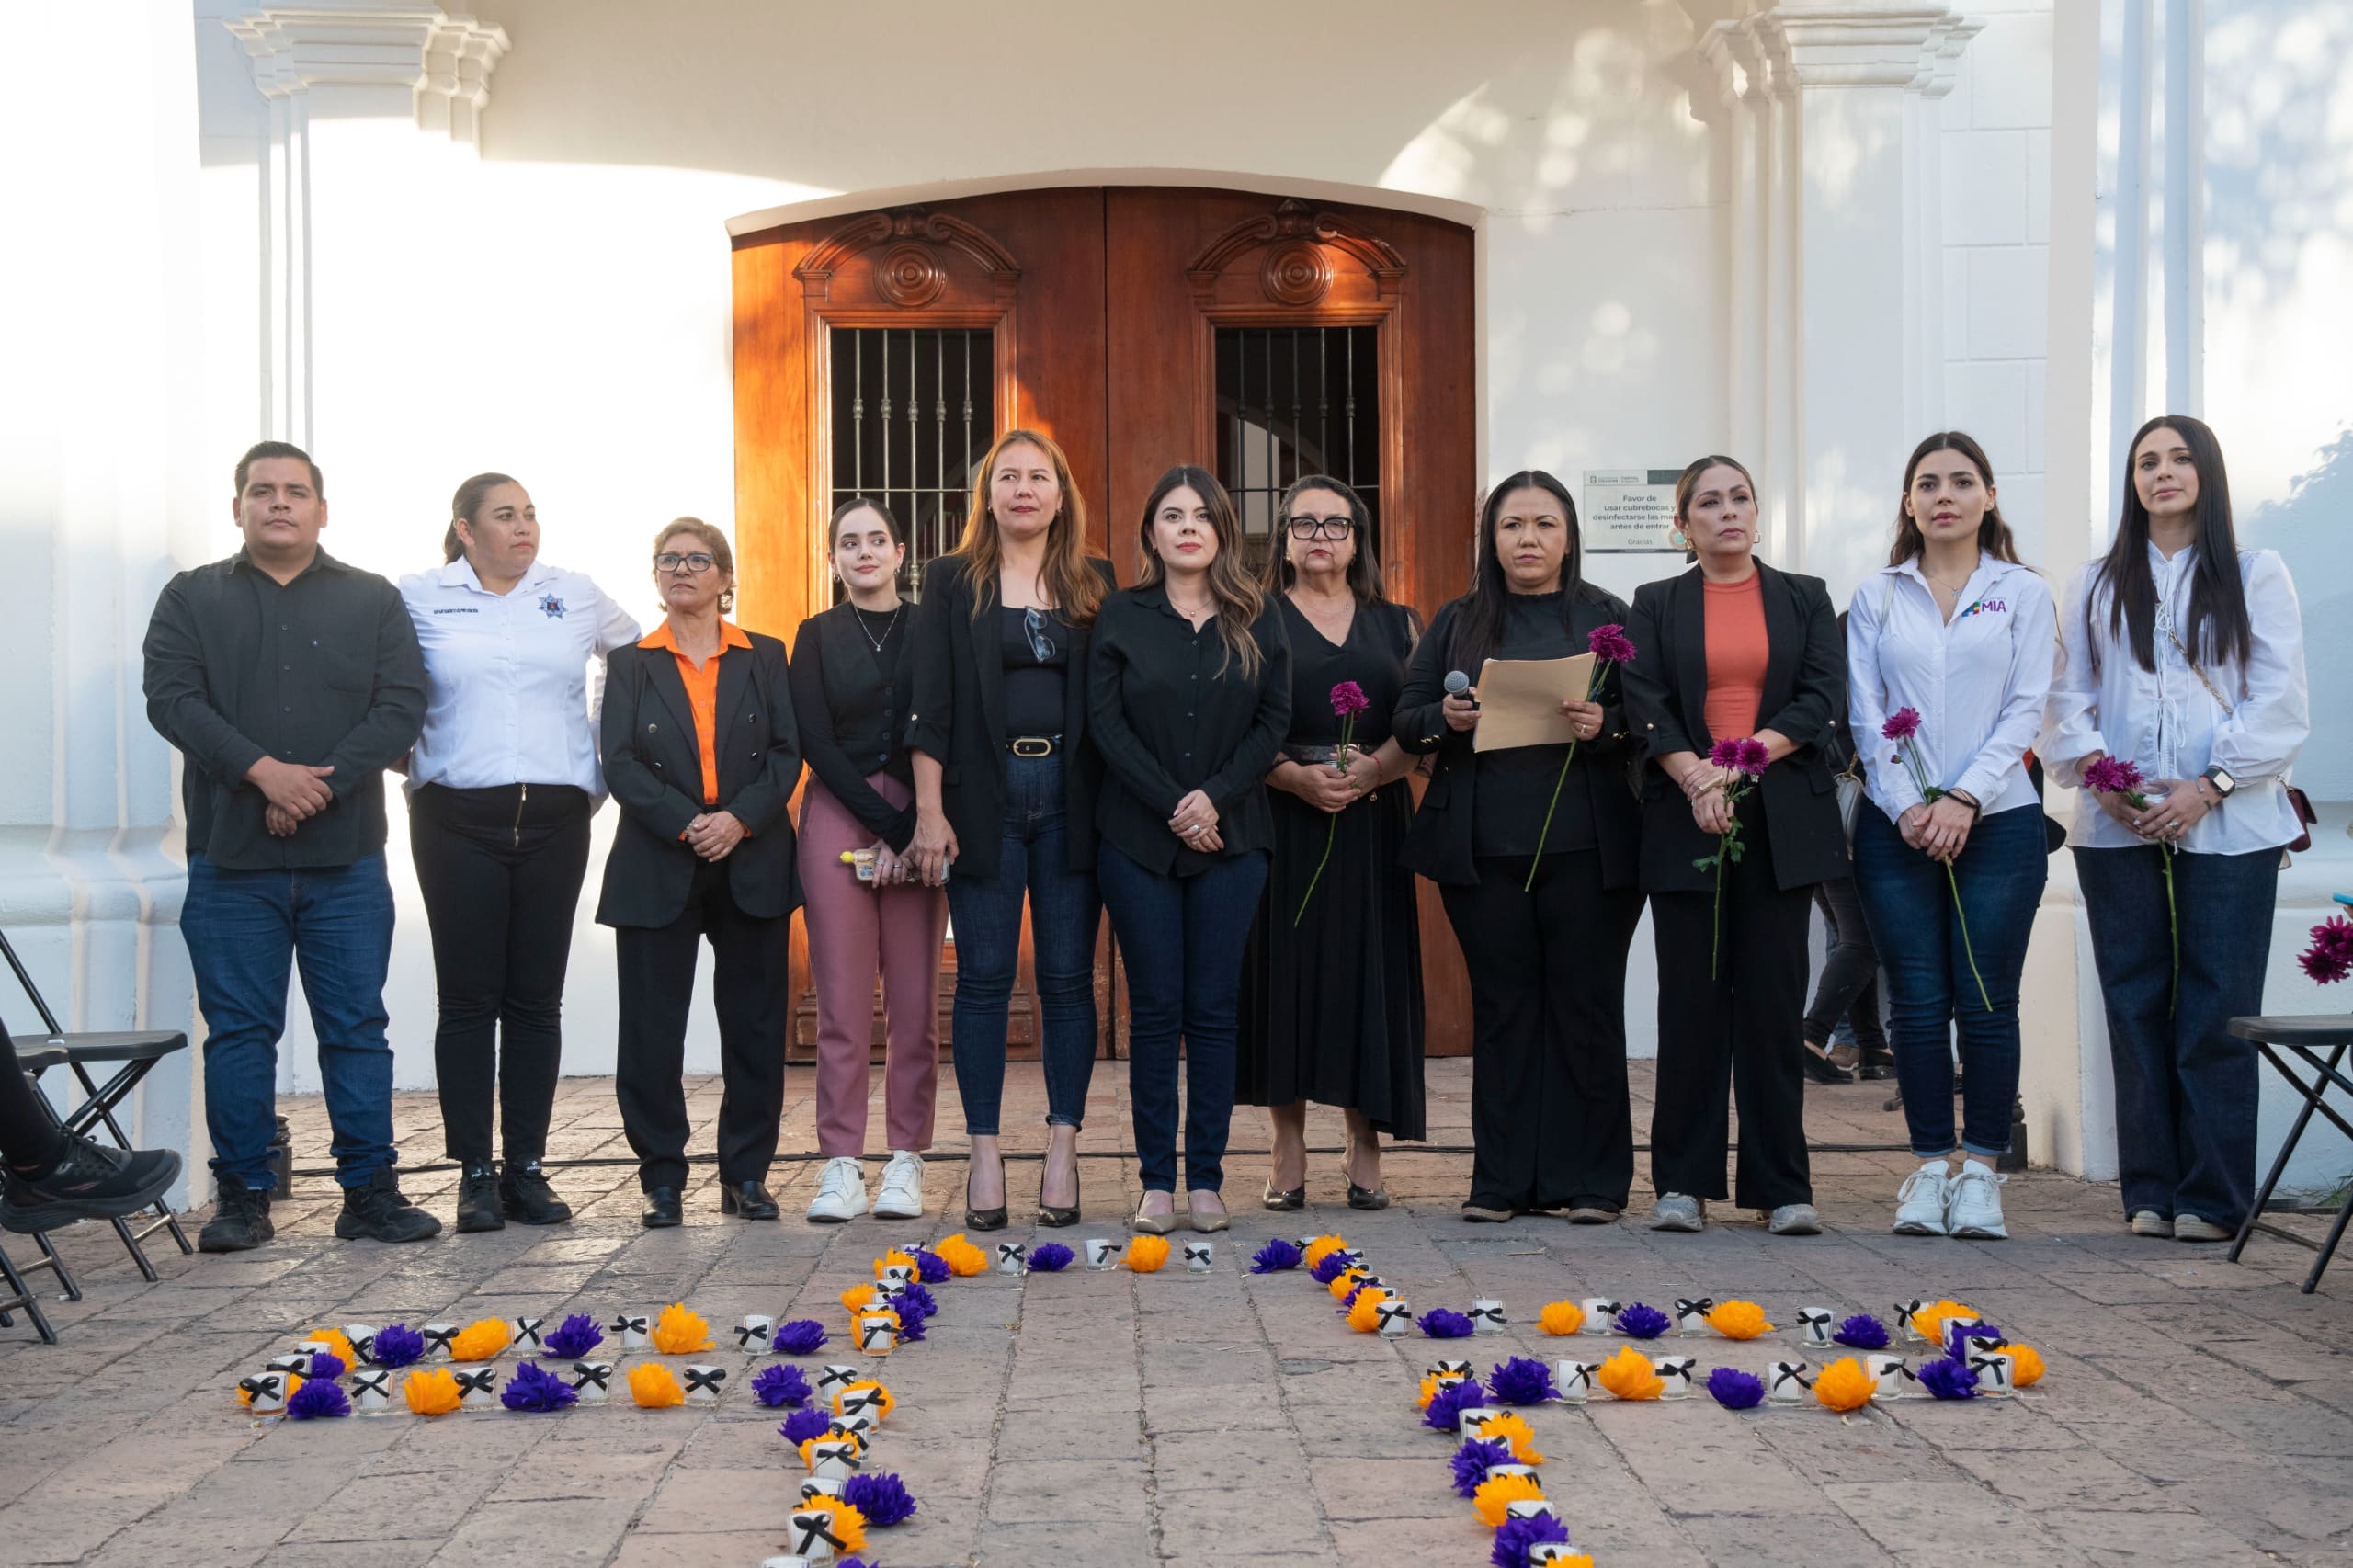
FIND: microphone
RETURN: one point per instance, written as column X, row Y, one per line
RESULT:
column 1456, row 684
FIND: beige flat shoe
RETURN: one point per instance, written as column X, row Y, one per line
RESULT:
column 1154, row 1224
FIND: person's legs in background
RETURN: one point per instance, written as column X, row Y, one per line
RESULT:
column 1148, row 912
column 51, row 1178
column 1065, row 914
column 239, row 926
column 1214, row 937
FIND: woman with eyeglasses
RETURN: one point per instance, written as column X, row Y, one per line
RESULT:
column 1005, row 794
column 1331, row 980
column 1190, row 696
column 702, row 754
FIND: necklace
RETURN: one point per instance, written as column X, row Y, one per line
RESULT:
column 888, row 627
column 1954, row 589
column 1208, row 608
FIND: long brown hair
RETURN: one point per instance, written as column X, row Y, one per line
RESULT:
column 1993, row 535
column 1479, row 626
column 1240, row 601
column 2214, row 625
column 465, row 504
column 1076, row 591
column 1364, row 567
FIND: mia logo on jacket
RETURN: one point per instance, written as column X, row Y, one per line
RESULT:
column 1987, row 606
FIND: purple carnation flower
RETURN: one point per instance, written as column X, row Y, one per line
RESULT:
column 1522, row 1380
column 1902, row 724
column 1735, row 1390
column 1949, row 1378
column 803, row 1424
column 780, row 1386
column 1273, row 1258
column 1052, row 1257
column 1610, row 645
column 397, row 1346
column 882, row 1497
column 801, row 1337
column 1471, row 1460
column 1331, row 1266
column 1440, row 1323
column 1348, row 700
column 1515, row 1536
column 1636, row 1321
column 930, row 1268
column 2330, row 958
column 1861, row 1332
column 327, row 1364
column 534, row 1388
column 574, row 1338
column 1445, row 1407
column 317, row 1399
column 2112, row 775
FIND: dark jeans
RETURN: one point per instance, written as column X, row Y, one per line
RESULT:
column 985, row 916
column 244, row 929
column 1182, row 939
column 501, row 872
column 29, row 1137
column 1932, row 994
column 2186, row 1091
column 1848, row 988
column 1551, row 1126
column 751, row 962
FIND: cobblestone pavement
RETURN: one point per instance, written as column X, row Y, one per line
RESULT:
column 2194, row 1412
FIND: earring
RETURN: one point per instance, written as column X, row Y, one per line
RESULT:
column 1676, row 539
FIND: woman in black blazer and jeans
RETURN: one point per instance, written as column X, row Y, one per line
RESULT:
column 701, row 755
column 1733, row 649
column 1544, row 912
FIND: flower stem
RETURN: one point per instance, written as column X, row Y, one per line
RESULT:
column 1966, row 945
column 1716, row 926
column 2172, row 916
column 1331, row 831
column 1545, row 832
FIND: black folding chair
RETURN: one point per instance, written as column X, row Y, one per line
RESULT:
column 20, row 1297
column 133, row 1054
column 2304, row 1038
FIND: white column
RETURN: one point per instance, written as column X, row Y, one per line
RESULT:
column 1747, row 134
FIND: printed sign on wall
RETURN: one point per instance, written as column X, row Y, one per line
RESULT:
column 1629, row 510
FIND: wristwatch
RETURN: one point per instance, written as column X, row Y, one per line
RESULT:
column 2221, row 779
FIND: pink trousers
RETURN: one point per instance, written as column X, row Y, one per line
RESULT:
column 855, row 928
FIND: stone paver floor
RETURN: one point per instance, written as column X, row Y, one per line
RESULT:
column 2194, row 1413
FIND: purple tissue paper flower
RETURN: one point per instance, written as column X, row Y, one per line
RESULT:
column 930, row 1268
column 1349, row 1300
column 1949, row 1378
column 1517, row 1536
column 801, row 1337
column 882, row 1497
column 1440, row 1323
column 574, row 1338
column 850, row 1563
column 1958, row 1334
column 327, row 1364
column 1522, row 1380
column 1735, row 1390
column 397, row 1346
column 1636, row 1321
column 1052, row 1257
column 1471, row 1460
column 781, row 1387
column 803, row 1424
column 1445, row 1407
column 1273, row 1258
column 1612, row 645
column 1861, row 1332
column 533, row 1387
column 318, row 1398
column 1331, row 1266
column 914, row 1294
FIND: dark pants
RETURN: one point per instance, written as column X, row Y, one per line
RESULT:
column 985, row 915
column 501, row 872
column 1182, row 939
column 29, row 1137
column 1743, row 1025
column 1551, row 1126
column 1932, row 991
column 749, row 985
column 244, row 930
column 1848, row 987
column 2186, row 1091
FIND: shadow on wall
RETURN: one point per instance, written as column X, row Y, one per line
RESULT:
column 2308, row 530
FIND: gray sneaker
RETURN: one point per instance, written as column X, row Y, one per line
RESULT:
column 1795, row 1220
column 1675, row 1212
column 2149, row 1222
column 2195, row 1228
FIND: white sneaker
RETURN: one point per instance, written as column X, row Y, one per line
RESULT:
column 841, row 1193
column 901, row 1194
column 1920, row 1201
column 1973, row 1203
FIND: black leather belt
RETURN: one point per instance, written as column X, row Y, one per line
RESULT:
column 1034, row 745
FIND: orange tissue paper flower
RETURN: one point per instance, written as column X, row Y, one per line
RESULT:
column 651, row 1385
column 1739, row 1320
column 1345, row 1280
column 293, row 1383
column 1495, row 1496
column 893, row 1258
column 850, row 1525
column 858, row 1297
column 1630, row 1375
column 1930, row 1321
column 1560, row 1317
column 1429, row 1392
column 335, row 1339
column 1146, row 1254
column 677, row 1332
column 882, row 1410
column 431, row 1391
column 1319, row 1249
column 1843, row 1385
column 1513, row 1429
column 2026, row 1365
column 1362, row 1316
column 963, row 1259
column 480, row 1340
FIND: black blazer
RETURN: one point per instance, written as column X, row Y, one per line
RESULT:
column 851, row 720
column 958, row 718
column 1438, row 843
column 1805, row 697
column 654, row 768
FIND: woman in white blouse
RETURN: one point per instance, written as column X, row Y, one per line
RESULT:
column 1959, row 633
column 500, row 788
column 2183, row 655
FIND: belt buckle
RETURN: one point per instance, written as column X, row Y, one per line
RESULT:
column 1033, row 745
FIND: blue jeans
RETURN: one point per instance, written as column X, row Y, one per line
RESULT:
column 1909, row 903
column 1182, row 938
column 2186, row 1091
column 1063, row 912
column 242, row 928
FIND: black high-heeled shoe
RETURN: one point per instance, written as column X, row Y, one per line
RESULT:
column 980, row 1219
column 1049, row 1214
column 1284, row 1202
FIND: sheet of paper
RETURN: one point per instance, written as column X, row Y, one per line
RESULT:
column 1520, row 700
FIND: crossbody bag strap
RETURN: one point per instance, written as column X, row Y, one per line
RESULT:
column 2222, row 703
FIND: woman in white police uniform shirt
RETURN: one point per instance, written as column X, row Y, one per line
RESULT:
column 501, row 786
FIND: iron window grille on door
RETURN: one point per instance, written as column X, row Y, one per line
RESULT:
column 1292, row 401
column 912, row 415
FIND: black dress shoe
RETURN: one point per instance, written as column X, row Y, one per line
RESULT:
column 1284, row 1202
column 981, row 1218
column 748, row 1199
column 1820, row 1069
column 1050, row 1214
column 663, row 1208
column 1367, row 1197
column 478, row 1205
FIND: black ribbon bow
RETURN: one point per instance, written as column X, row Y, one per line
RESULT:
column 1785, row 1372
column 844, row 1453
column 1010, row 1252
column 1493, row 1315
column 1451, row 1370
column 1675, row 1366
column 706, row 1378
column 814, row 1527
column 482, row 1381
column 364, row 1347
column 289, row 1363
column 264, row 1385
column 626, row 1324
column 1699, row 1308
column 584, row 1373
column 748, row 1332
column 527, row 1331
column 437, row 1336
column 1611, row 1309
column 373, row 1382
column 828, row 1376
column 1583, row 1374
column 1982, row 1361
column 857, row 1401
column 1390, row 1311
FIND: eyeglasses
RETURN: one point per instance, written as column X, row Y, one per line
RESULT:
column 1034, row 626
column 696, row 564
column 1321, row 527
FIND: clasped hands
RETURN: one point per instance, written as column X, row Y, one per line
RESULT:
column 1194, row 823
column 714, row 835
column 2176, row 805
column 295, row 792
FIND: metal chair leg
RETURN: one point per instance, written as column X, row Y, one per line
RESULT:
column 21, row 1295
column 2287, row 1146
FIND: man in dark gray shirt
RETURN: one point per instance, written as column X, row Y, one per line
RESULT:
column 290, row 682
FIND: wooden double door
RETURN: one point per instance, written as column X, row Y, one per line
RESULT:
column 1260, row 337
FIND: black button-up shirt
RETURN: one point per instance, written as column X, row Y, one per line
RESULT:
column 322, row 671
column 1168, row 721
